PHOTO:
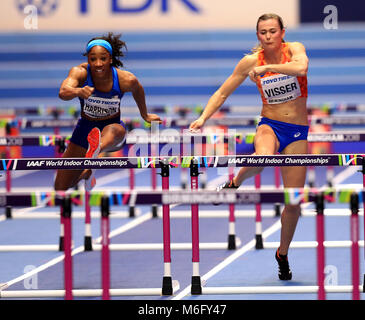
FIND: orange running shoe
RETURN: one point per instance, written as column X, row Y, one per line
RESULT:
column 94, row 139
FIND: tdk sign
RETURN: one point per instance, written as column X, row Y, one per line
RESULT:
column 120, row 6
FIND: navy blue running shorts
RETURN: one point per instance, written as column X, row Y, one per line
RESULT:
column 286, row 132
column 84, row 126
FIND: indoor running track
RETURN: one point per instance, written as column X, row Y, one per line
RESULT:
column 245, row 266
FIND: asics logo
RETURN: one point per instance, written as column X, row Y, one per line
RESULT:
column 297, row 135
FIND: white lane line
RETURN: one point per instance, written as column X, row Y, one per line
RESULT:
column 42, row 267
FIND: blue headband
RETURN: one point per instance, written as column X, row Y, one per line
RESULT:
column 100, row 42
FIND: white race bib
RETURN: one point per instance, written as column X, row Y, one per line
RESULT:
column 97, row 107
column 280, row 88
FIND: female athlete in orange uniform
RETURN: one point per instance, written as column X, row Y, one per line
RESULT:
column 279, row 70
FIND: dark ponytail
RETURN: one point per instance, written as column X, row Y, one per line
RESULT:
column 117, row 45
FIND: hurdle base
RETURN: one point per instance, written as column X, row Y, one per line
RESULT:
column 132, row 213
column 277, row 209
column 88, row 243
column 196, row 286
column 154, row 211
column 259, row 243
column 8, row 214
column 61, row 246
column 167, row 289
column 231, row 242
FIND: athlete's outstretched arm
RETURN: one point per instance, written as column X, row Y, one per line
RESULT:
column 239, row 75
column 131, row 84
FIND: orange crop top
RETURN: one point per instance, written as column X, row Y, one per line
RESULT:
column 278, row 88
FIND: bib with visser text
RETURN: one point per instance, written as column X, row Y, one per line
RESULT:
column 280, row 88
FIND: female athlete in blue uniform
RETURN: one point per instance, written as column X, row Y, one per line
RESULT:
column 100, row 86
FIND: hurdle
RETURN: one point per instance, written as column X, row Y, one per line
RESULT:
column 116, row 198
column 168, row 287
column 320, row 244
column 231, row 220
column 237, row 197
column 183, row 110
column 60, row 141
column 258, row 218
column 320, row 289
column 177, row 197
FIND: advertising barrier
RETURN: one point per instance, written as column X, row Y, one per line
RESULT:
column 90, row 15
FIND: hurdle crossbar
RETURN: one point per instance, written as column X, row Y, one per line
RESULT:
column 207, row 197
column 312, row 244
column 25, row 123
column 76, row 215
column 29, row 247
column 52, row 110
column 266, row 213
column 84, row 292
column 159, row 246
column 183, row 161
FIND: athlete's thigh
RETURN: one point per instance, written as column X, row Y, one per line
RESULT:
column 294, row 177
column 266, row 142
column 114, row 130
column 113, row 136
